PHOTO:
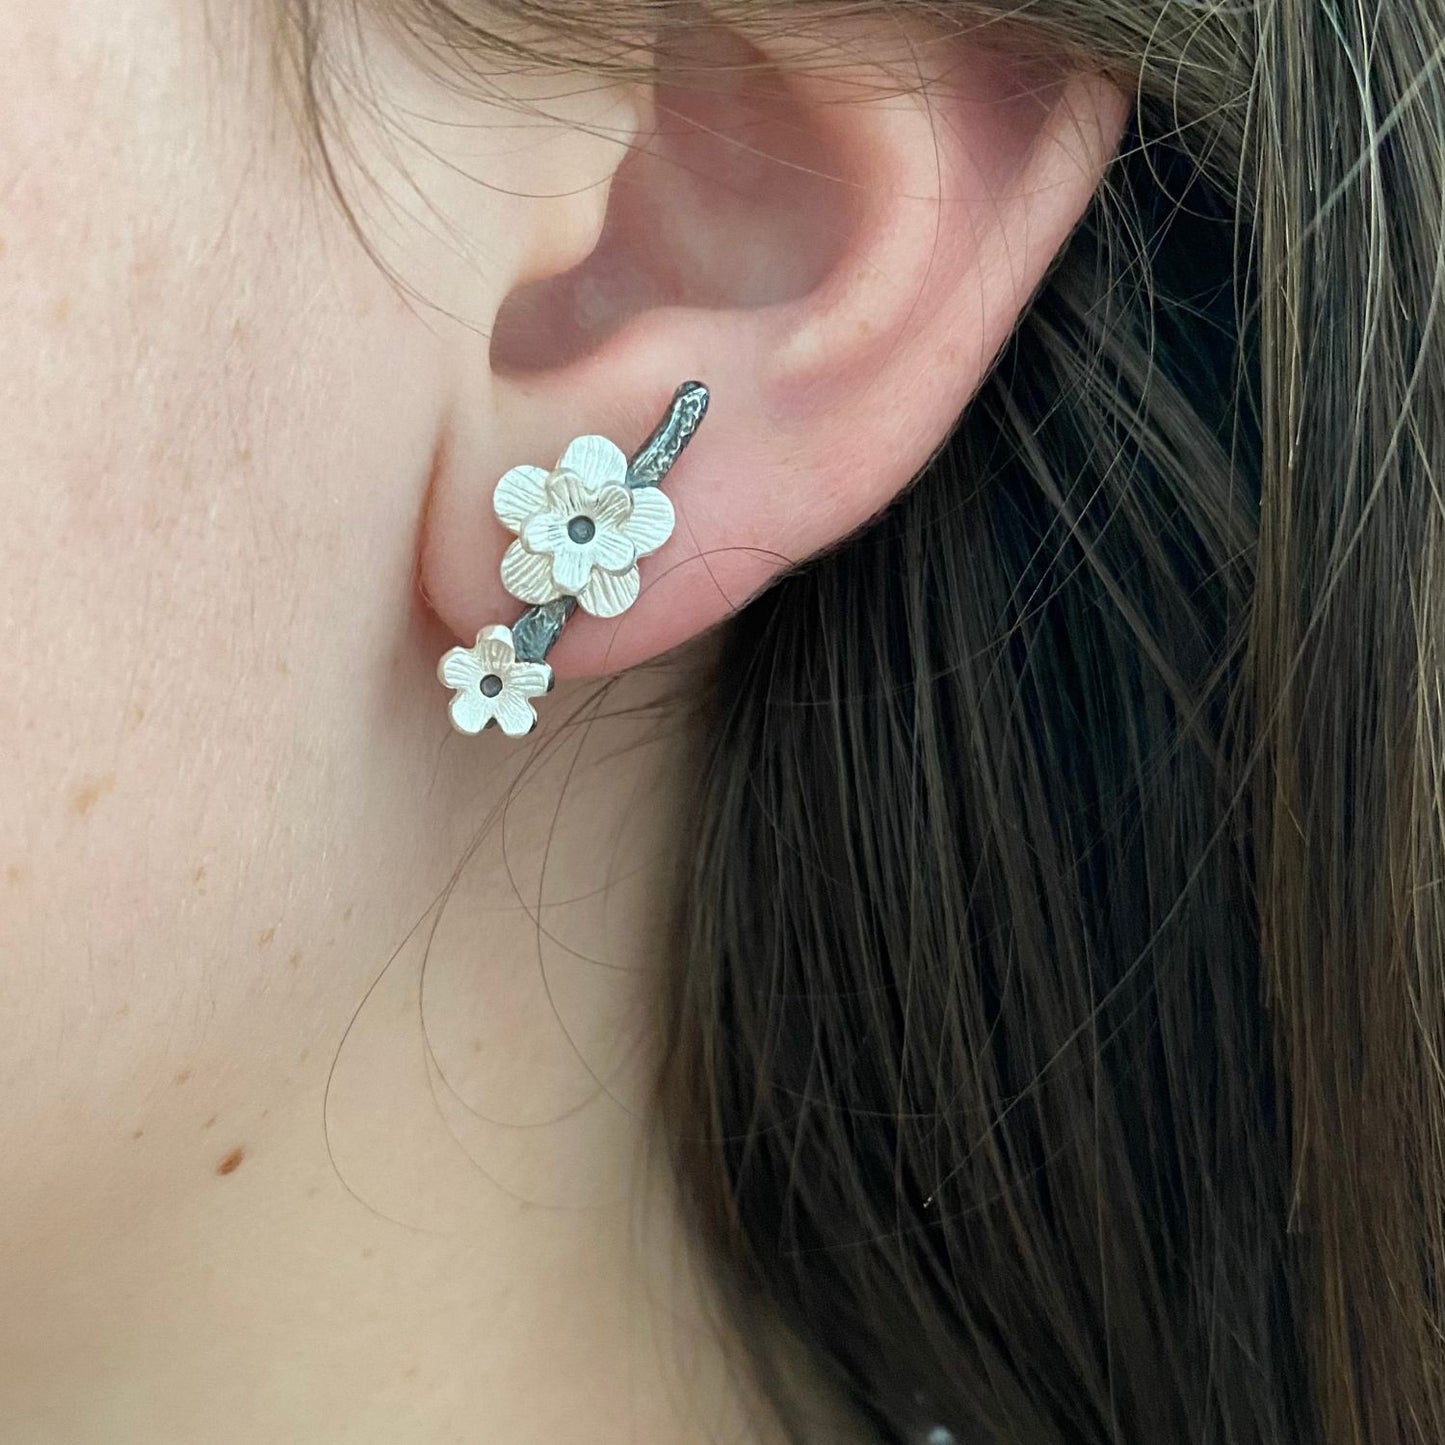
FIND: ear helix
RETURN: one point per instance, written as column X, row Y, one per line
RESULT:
column 579, row 530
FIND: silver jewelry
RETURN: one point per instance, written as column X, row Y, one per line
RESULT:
column 491, row 685
column 580, row 529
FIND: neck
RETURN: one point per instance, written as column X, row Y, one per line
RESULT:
column 440, row 1208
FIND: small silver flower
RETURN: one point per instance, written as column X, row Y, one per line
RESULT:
column 491, row 685
column 580, row 528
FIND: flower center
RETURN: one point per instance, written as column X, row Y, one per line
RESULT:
column 581, row 529
column 490, row 685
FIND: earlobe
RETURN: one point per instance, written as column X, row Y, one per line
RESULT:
column 832, row 383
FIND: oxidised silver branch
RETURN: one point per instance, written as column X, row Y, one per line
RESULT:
column 539, row 627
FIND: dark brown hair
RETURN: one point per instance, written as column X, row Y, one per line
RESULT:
column 1058, row 1050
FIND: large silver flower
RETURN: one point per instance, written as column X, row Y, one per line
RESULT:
column 580, row 528
column 492, row 686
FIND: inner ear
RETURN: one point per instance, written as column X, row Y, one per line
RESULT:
column 735, row 198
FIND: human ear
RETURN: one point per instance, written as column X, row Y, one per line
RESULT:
column 836, row 235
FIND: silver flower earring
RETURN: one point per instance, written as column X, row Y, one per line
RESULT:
column 579, row 529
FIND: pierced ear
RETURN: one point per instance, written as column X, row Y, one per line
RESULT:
column 837, row 238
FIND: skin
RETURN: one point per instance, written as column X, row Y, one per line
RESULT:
column 325, row 1033
column 239, row 795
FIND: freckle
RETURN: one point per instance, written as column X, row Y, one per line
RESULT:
column 231, row 1162
column 199, row 876
column 368, row 1253
column 137, row 1133
column 88, row 794
column 137, row 713
column 265, row 936
column 283, row 668
column 15, row 873
column 295, row 959
column 303, row 1056
column 123, row 1011
column 61, row 310
column 244, row 455
column 476, row 1046
column 264, row 1112
column 184, row 1076
column 346, row 917
column 409, row 1373
column 209, row 1122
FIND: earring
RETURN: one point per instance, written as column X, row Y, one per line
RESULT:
column 579, row 530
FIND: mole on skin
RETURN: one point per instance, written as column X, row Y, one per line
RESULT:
column 231, row 1162
column 85, row 797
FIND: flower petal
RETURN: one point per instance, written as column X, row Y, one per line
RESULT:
column 497, row 632
column 596, row 460
column 612, row 506
column 515, row 715
column 571, row 565
column 607, row 594
column 527, row 576
column 460, row 668
column 496, row 657
column 520, row 492
column 652, row 519
column 544, row 533
column 612, row 550
column 567, row 495
column 471, row 712
column 530, row 679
